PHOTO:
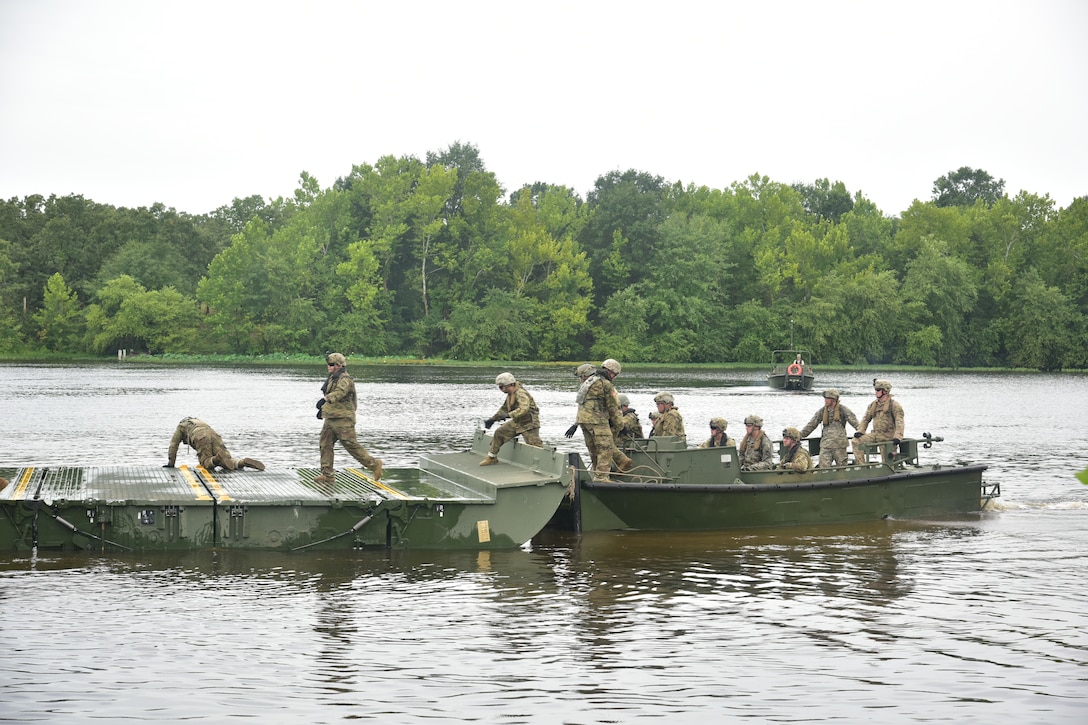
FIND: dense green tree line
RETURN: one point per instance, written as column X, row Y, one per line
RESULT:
column 430, row 257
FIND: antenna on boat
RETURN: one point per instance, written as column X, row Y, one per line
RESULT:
column 791, row 333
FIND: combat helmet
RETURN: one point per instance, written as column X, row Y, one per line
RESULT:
column 882, row 385
column 664, row 398
column 831, row 393
column 505, row 379
column 611, row 366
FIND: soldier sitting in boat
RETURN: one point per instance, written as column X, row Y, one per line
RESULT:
column 668, row 422
column 756, row 452
column 793, row 457
column 718, row 438
column 630, row 427
column 521, row 415
column 209, row 447
column 834, row 418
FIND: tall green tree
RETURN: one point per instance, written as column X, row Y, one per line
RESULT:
column 60, row 319
column 966, row 186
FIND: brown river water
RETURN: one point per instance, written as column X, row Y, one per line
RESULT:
column 982, row 619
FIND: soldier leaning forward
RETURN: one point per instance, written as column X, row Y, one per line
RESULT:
column 521, row 415
column 209, row 447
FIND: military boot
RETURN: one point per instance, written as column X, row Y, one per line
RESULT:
column 328, row 478
column 489, row 461
column 252, row 463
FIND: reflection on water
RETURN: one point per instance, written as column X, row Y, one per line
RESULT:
column 970, row 620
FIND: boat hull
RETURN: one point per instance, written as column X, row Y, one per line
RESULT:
column 704, row 489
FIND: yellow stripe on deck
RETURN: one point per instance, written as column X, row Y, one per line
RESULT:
column 21, row 484
column 201, row 494
column 379, row 484
column 220, row 493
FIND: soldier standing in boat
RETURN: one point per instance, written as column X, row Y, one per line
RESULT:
column 718, row 438
column 209, row 447
column 337, row 408
column 669, row 422
column 834, row 417
column 793, row 457
column 756, row 452
column 599, row 416
column 886, row 415
column 521, row 415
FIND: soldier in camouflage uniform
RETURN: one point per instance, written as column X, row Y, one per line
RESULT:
column 834, row 417
column 792, row 456
column 885, row 414
column 669, row 422
column 209, row 447
column 718, row 438
column 521, row 415
column 630, row 428
column 755, row 450
column 599, row 416
column 337, row 408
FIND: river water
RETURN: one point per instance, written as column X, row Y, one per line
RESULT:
column 975, row 620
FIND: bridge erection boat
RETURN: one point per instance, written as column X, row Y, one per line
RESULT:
column 671, row 487
column 449, row 502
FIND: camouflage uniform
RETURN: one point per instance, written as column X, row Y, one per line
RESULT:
column 669, row 423
column 522, row 418
column 338, row 412
column 630, row 427
column 887, row 418
column 833, row 438
column 795, row 458
column 203, row 439
column 756, row 452
column 599, row 415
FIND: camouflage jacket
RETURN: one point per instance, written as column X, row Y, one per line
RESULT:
column 756, row 455
column 193, row 432
column 339, row 393
column 711, row 443
column 521, row 408
column 887, row 419
column 630, row 428
column 598, row 404
column 834, row 422
column 795, row 459
column 669, row 423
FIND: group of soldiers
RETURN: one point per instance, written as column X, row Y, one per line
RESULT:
column 605, row 417
column 607, row 421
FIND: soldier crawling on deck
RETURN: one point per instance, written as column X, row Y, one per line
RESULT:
column 209, row 447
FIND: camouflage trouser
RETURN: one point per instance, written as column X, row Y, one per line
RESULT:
column 602, row 449
column 210, row 450
column 833, row 455
column 508, row 431
column 343, row 430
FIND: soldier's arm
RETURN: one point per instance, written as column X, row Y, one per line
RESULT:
column 339, row 391
column 172, row 454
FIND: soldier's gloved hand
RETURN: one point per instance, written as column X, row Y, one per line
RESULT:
column 896, row 441
column 320, row 403
column 857, row 434
column 168, row 465
column 488, row 422
column 570, row 431
column 319, row 414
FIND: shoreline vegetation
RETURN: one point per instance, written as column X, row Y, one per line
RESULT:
column 302, row 360
column 415, row 260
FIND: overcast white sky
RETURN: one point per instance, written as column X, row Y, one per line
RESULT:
column 194, row 103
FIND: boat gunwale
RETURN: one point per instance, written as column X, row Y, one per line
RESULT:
column 776, row 486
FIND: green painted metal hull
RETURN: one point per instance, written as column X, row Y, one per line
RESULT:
column 449, row 502
column 672, row 488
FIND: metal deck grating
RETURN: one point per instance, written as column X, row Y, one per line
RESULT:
column 289, row 486
column 122, row 483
